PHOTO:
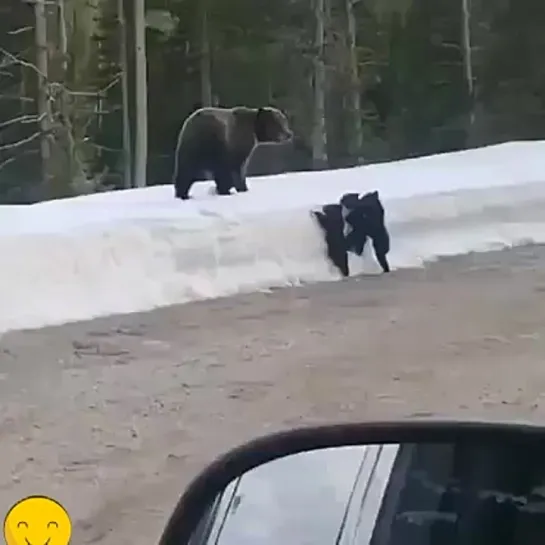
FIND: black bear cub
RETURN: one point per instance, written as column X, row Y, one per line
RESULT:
column 364, row 218
column 330, row 218
column 220, row 141
column 348, row 225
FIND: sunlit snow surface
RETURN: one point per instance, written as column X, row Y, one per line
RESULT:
column 135, row 250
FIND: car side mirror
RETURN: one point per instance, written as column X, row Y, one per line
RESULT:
column 418, row 482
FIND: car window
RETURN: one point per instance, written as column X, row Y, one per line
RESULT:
column 300, row 499
column 463, row 494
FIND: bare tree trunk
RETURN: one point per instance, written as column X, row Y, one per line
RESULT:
column 141, row 144
column 356, row 136
column 127, row 147
column 205, row 60
column 44, row 112
column 319, row 135
column 468, row 57
column 62, row 36
column 70, row 173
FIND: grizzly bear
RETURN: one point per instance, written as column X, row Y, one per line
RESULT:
column 219, row 141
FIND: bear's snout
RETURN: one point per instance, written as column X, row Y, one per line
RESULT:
column 287, row 136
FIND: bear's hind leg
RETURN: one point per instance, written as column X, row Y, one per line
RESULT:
column 239, row 181
column 182, row 187
column 224, row 179
column 338, row 255
column 383, row 262
column 381, row 245
column 223, row 173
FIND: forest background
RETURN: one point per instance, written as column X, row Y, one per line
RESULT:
column 94, row 92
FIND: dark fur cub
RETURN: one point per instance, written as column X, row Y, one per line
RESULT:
column 365, row 218
column 348, row 225
column 330, row 219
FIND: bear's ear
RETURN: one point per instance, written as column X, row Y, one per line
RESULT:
column 350, row 200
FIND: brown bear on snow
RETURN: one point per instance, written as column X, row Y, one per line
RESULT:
column 220, row 141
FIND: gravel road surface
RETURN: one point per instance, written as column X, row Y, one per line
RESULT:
column 114, row 416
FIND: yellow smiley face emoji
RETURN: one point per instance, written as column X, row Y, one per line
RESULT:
column 37, row 520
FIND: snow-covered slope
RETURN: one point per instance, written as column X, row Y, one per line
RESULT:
column 135, row 250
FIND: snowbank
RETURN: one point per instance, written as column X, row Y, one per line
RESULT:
column 135, row 250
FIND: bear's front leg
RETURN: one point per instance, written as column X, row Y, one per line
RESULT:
column 181, row 188
column 224, row 180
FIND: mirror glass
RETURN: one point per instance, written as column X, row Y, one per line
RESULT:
column 409, row 494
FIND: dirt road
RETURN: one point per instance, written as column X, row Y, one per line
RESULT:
column 114, row 416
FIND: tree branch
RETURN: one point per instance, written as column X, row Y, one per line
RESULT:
column 20, row 30
column 21, row 142
column 14, row 158
column 16, row 97
column 56, row 85
column 22, row 119
column 17, row 60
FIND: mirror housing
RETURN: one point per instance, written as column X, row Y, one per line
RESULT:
column 202, row 495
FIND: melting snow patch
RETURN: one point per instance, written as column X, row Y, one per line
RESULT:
column 135, row 250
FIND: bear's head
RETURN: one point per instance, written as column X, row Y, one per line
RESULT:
column 368, row 204
column 364, row 213
column 372, row 205
column 271, row 125
column 350, row 200
column 371, row 197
